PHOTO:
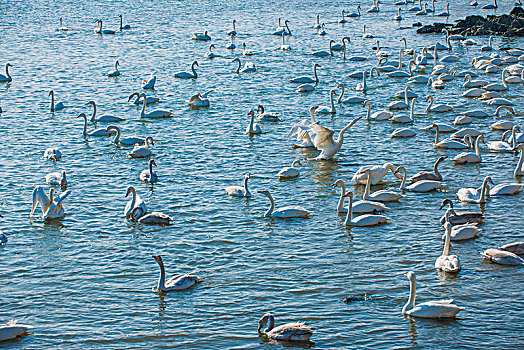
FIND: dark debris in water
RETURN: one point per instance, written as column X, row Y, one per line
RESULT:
column 357, row 297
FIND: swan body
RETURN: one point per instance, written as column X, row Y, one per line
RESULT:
column 473, row 92
column 52, row 153
column 148, row 175
column 378, row 196
column 231, row 45
column 506, row 189
column 323, row 53
column 448, row 143
column 124, row 141
column 234, row 31
column 469, row 157
column 473, row 195
column 249, row 67
column 501, row 146
column 429, row 309
column 442, row 128
column 349, row 100
column 239, row 191
column 500, row 102
column 210, row 54
column 265, row 116
column 448, row 263
column 462, row 120
column 134, row 203
column 253, row 128
column 376, row 116
column 291, row 332
column 285, row 212
column 466, row 132
column 421, row 186
column 11, row 330
column 155, row 218
column 377, row 173
column 426, row 175
column 123, row 27
column 137, row 102
column 440, row 108
column 305, row 88
column 475, row 113
column 324, row 141
column 52, row 208
column 515, row 248
column 57, row 178
column 463, row 232
column 473, row 83
column 502, row 257
column 289, row 172
column 177, row 282
column 62, row 28
column 157, row 113
column 328, row 110
column 201, row 36
column 116, row 72
column 55, row 106
column 461, row 217
column 199, row 100
column 304, row 79
column 188, row 75
column 490, row 6
column 106, row 118
column 365, row 220
column 403, row 133
column 142, row 151
column 149, row 83
column 96, row 132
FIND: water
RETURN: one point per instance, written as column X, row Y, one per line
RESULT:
column 85, row 281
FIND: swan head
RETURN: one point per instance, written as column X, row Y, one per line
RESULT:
column 92, row 103
column 130, row 189
column 195, row 63
column 286, row 21
column 149, row 140
column 51, row 93
column 519, row 146
column 318, row 65
column 441, row 159
column 247, row 176
column 446, row 201
column 488, row 179
column 399, row 169
column 263, row 321
column 9, row 65
column 333, row 92
column 152, row 162
column 429, row 97
column 133, row 95
column 82, row 115
column 340, row 85
column 265, row 193
column 338, row 183
column 449, row 212
column 349, row 194
column 251, row 113
column 411, row 275
column 260, row 109
column 158, row 257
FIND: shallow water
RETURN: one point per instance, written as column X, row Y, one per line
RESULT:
column 85, row 281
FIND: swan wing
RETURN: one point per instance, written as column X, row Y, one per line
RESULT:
column 39, row 196
column 297, row 331
column 435, row 309
column 324, row 136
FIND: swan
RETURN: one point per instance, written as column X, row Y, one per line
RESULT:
column 177, row 282
column 473, row 195
column 52, row 153
column 201, row 36
column 292, row 332
column 142, row 151
column 355, row 14
column 497, row 86
column 379, row 196
column 398, row 105
column 461, row 217
column 253, row 128
column 419, row 186
column 324, row 142
column 149, row 83
column 449, row 143
column 104, row 31
column 515, row 79
column 155, row 218
column 285, row 212
column 398, row 17
column 234, row 31
column 122, row 27
column 366, row 35
column 436, row 83
column 416, row 8
column 326, row 109
column 362, row 220
column 148, row 175
column 187, row 75
column 57, row 178
column 440, row 108
column 423, row 12
column 488, row 47
column 340, row 205
column 302, row 131
column 445, row 262
column 199, row 100
column 62, row 28
column 239, row 191
column 377, row 173
column 444, row 13
column 349, row 100
column 210, row 54
column 506, row 189
column 289, row 172
column 305, row 88
column 406, row 50
column 501, row 146
column 116, row 72
column 157, row 113
column 124, row 141
column 343, row 19
column 268, row 117
column 362, row 86
column 459, row 232
column 231, row 45
column 52, row 208
column 11, row 330
column 500, row 102
column 490, row 6
column 426, row 175
column 96, row 132
column 246, row 52
column 322, row 30
column 469, row 157
column 106, row 118
column 283, row 31
column 429, row 309
column 519, row 169
column 55, row 106
column 404, row 119
column 474, row 92
column 403, row 133
column 363, row 206
column 304, row 79
column 473, row 3
column 374, row 8
column 7, row 77
column 134, row 202
column 377, row 116
column 316, row 26
column 515, row 248
column 249, row 67
column 323, row 53
column 502, row 257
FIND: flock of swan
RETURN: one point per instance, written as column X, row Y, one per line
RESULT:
column 425, row 67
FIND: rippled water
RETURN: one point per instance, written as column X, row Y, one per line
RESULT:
column 85, row 281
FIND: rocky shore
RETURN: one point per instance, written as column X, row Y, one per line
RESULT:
column 511, row 25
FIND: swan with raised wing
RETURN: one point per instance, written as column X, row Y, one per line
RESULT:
column 239, row 191
column 291, row 332
column 445, row 262
column 149, row 83
column 177, row 282
column 377, row 173
column 142, row 151
column 473, row 195
column 419, row 186
column 324, row 141
column 106, row 118
column 199, row 100
column 301, row 129
column 285, row 212
column 362, row 220
column 52, row 208
column 148, row 175
column 134, row 202
column 55, row 106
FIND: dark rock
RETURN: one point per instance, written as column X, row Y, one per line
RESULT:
column 517, row 12
column 417, row 24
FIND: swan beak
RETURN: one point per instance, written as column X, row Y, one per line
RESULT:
column 490, row 181
column 127, row 193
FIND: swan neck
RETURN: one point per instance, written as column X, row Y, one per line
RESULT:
column 246, row 190
column 162, row 277
column 368, row 188
column 447, row 242
column 349, row 215
column 368, row 115
column 315, row 73
column 332, row 103
column 143, row 112
column 272, row 205
column 118, row 135
column 477, row 148
column 341, row 94
column 150, row 170
column 404, row 178
column 518, row 169
column 412, row 295
column 483, row 192
column 94, row 113
column 7, row 71
column 85, row 126
column 340, row 205
column 435, row 170
column 436, row 136
column 287, row 27
column 193, row 70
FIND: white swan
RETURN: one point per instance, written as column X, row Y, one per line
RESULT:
column 322, row 30
column 398, row 105
column 405, row 119
column 324, row 142
column 488, row 47
column 328, row 110
column 426, row 175
column 249, row 67
column 501, row 146
column 57, row 178
column 11, row 330
column 55, row 106
column 445, row 262
column 323, row 53
column 473, row 195
column 366, row 35
column 461, row 217
column 506, row 189
column 52, row 208
column 304, row 79
column 148, row 175
column 7, row 77
column 100, row 30
column 201, row 36
column 154, row 218
column 149, row 83
column 355, row 14
column 377, row 173
column 266, row 116
column 343, row 19
column 379, row 196
column 134, row 202
column 96, row 132
column 52, row 153
column 231, row 45
column 444, row 13
column 398, row 17
column 122, row 27
column 419, row 186
column 440, row 108
column 253, row 128
column 239, row 191
column 157, row 113
column 199, row 100
column 177, row 282
column 362, row 220
column 403, row 133
column 289, row 172
column 234, row 31
column 291, row 332
column 187, row 75
column 246, row 52
column 142, row 151
column 349, row 100
column 374, row 8
column 376, row 116
column 285, row 212
column 498, row 86
column 469, row 157
column 210, row 54
column 490, row 6
column 62, row 28
column 124, row 141
column 283, row 30
column 502, row 257
column 316, row 26
column 519, row 169
column 429, row 309
column 302, row 130
column 106, row 118
column 116, row 72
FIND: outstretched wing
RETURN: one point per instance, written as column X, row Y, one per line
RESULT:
column 323, row 138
